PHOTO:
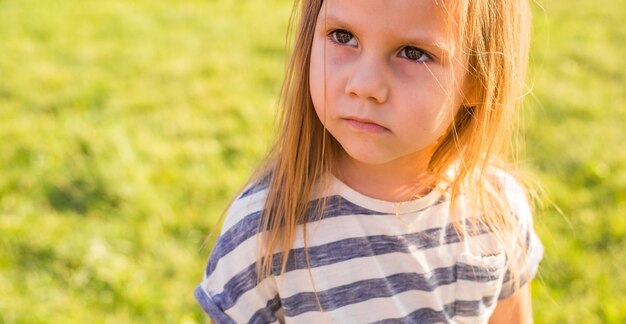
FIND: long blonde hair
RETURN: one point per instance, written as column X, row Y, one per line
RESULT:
column 496, row 40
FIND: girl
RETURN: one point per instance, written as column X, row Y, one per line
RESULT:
column 385, row 198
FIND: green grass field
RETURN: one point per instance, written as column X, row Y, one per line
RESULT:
column 125, row 127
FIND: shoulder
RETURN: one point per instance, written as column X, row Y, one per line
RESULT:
column 229, row 291
column 506, row 181
column 247, row 205
column 236, row 247
column 512, row 191
column 237, row 243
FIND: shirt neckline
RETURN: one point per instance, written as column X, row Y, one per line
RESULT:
column 338, row 187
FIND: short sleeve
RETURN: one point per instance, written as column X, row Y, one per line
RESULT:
column 530, row 252
column 229, row 291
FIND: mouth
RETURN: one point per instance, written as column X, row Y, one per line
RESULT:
column 365, row 125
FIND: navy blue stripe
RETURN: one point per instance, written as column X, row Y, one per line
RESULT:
column 246, row 280
column 363, row 290
column 469, row 308
column 367, row 246
column 477, row 273
column 424, row 315
column 235, row 287
column 268, row 313
column 429, row 315
column 248, row 227
column 261, row 184
column 338, row 206
column 209, row 307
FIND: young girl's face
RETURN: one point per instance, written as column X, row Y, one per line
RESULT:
column 387, row 76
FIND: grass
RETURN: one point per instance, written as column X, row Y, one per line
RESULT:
column 574, row 143
column 127, row 125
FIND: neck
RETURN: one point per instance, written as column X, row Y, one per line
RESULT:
column 399, row 180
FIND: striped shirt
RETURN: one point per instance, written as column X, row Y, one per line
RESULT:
column 371, row 261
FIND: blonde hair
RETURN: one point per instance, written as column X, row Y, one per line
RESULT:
column 496, row 40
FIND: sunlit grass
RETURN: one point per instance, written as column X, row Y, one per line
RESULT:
column 574, row 143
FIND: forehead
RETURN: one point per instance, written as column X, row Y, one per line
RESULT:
column 435, row 16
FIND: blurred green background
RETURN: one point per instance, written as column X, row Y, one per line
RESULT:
column 125, row 127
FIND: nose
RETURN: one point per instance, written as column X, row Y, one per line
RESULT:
column 367, row 81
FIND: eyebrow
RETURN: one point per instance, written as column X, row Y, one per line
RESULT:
column 334, row 21
column 441, row 47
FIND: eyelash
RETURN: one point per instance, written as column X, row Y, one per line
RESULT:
column 332, row 35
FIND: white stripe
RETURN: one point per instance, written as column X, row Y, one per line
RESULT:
column 474, row 319
column 242, row 208
column 381, row 266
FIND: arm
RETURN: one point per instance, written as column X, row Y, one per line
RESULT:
column 514, row 309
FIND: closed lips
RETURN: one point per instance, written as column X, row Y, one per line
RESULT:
column 365, row 125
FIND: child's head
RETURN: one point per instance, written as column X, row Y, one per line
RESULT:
column 434, row 77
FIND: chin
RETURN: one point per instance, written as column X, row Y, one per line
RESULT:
column 369, row 156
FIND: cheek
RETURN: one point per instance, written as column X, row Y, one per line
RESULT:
column 426, row 107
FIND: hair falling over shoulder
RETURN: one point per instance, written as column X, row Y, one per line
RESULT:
column 482, row 136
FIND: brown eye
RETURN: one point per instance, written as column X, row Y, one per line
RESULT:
column 414, row 54
column 342, row 36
